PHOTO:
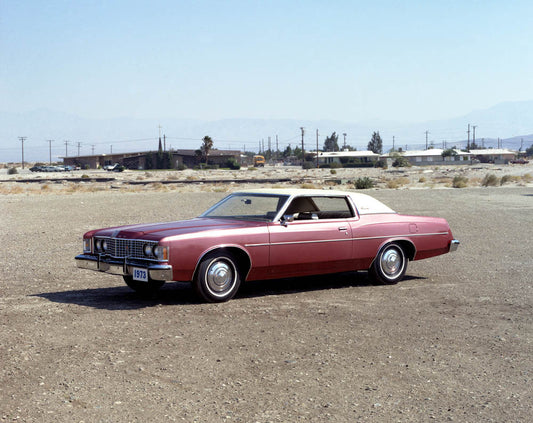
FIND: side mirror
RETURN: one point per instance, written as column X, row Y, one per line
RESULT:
column 286, row 219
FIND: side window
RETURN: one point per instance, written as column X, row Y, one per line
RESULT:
column 320, row 208
column 333, row 208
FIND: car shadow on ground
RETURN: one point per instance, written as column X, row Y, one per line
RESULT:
column 181, row 293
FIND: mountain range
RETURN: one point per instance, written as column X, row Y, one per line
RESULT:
column 510, row 122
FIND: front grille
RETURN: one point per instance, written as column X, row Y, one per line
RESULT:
column 131, row 248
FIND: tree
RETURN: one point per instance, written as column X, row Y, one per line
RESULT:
column 376, row 144
column 331, row 143
column 207, row 145
column 529, row 151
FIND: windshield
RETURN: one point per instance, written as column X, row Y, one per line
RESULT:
column 248, row 207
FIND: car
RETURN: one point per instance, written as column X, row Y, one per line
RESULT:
column 267, row 234
column 36, row 169
column 520, row 161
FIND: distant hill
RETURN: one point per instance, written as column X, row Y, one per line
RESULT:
column 510, row 121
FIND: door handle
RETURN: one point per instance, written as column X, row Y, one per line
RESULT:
column 343, row 228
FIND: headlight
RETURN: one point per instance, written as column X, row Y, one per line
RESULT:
column 147, row 249
column 104, row 245
column 98, row 245
column 161, row 252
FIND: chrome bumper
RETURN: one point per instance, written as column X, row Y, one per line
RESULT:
column 454, row 244
column 158, row 272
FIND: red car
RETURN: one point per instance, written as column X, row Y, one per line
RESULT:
column 268, row 234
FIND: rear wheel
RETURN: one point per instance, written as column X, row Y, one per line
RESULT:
column 389, row 266
column 218, row 277
column 143, row 288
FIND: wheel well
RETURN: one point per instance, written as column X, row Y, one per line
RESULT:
column 242, row 259
column 408, row 248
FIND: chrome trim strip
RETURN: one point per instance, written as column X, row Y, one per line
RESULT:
column 454, row 244
column 399, row 236
column 345, row 239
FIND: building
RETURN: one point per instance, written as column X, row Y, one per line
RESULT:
column 138, row 160
column 494, row 155
column 344, row 157
column 433, row 156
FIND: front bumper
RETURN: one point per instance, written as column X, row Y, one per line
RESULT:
column 158, row 272
column 454, row 245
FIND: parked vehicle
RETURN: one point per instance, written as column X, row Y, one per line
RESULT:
column 259, row 161
column 268, row 234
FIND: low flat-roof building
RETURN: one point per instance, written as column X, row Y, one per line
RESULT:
column 137, row 160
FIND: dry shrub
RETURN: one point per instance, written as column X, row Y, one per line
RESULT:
column 460, row 182
column 527, row 177
column 397, row 182
column 172, row 177
column 158, row 186
column 490, row 180
column 45, row 187
column 422, row 179
column 510, row 179
column 308, row 186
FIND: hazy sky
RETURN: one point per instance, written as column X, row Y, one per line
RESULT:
column 342, row 60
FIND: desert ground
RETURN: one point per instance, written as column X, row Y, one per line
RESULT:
column 451, row 342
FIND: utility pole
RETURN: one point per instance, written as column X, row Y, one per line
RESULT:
column 111, row 148
column 164, row 142
column 277, row 148
column 427, row 132
column 66, row 147
column 393, row 140
column 521, row 144
column 344, row 135
column 92, row 149
column 317, row 147
column 468, row 142
column 22, row 139
column 79, row 145
column 50, row 150
column 474, row 134
column 303, row 148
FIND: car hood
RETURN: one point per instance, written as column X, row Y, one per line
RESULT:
column 157, row 231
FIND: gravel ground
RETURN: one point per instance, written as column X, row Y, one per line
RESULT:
column 452, row 342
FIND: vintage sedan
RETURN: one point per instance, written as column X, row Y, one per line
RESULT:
column 268, row 234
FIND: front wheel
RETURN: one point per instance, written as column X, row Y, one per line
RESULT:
column 217, row 278
column 143, row 288
column 389, row 266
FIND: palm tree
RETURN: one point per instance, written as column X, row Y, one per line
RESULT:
column 207, row 145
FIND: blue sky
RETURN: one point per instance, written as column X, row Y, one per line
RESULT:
column 350, row 61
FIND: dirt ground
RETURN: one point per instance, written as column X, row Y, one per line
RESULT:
column 452, row 342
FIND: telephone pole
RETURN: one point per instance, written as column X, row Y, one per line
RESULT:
column 79, row 144
column 468, row 141
column 50, row 150
column 344, row 135
column 22, row 139
column 317, row 147
column 92, row 149
column 474, row 134
column 303, row 148
column 427, row 132
column 393, row 139
column 66, row 147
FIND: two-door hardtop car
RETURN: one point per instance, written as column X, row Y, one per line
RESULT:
column 268, row 234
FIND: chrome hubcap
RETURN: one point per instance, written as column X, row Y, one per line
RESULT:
column 220, row 276
column 391, row 262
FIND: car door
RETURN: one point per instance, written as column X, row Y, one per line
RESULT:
column 319, row 240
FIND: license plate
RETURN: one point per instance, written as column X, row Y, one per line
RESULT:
column 140, row 274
